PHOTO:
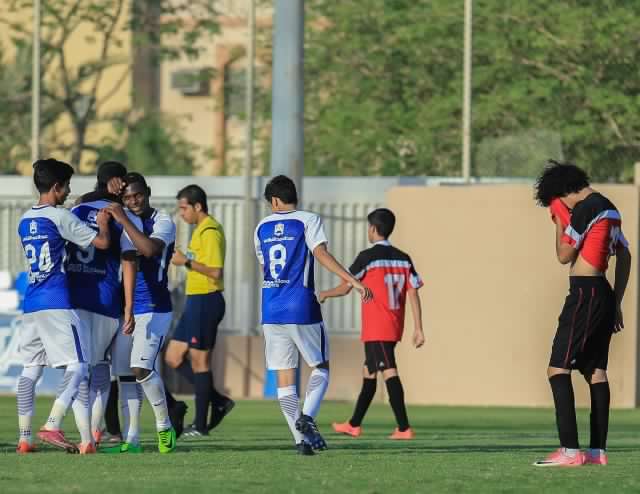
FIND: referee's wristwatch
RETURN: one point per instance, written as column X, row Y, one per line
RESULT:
column 187, row 264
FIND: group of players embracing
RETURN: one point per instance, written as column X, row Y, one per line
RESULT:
column 97, row 304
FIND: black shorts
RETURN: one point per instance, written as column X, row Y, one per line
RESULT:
column 585, row 326
column 198, row 325
column 379, row 355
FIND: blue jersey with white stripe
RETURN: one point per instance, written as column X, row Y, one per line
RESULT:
column 95, row 281
column 284, row 246
column 152, row 283
column 44, row 232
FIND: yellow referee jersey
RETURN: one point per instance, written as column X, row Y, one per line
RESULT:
column 207, row 246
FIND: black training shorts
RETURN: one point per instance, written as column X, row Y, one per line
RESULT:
column 198, row 326
column 379, row 355
column 585, row 326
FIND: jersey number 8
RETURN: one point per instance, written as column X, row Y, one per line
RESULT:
column 277, row 258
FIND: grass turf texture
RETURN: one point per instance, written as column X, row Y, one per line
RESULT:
column 457, row 450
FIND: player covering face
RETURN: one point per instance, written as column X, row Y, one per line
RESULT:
column 96, row 287
column 588, row 232
column 287, row 242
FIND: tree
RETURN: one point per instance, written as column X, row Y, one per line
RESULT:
column 165, row 29
column 151, row 144
column 383, row 85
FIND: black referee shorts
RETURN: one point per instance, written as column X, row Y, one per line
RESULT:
column 585, row 326
column 198, row 326
column 379, row 356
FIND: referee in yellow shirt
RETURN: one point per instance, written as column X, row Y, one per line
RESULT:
column 196, row 332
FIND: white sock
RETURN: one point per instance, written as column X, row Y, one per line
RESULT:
column 290, row 406
column 596, row 452
column 571, row 451
column 26, row 400
column 99, row 387
column 130, row 406
column 73, row 376
column 81, row 413
column 154, row 391
column 316, row 389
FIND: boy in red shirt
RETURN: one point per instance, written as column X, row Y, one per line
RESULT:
column 588, row 232
column 390, row 275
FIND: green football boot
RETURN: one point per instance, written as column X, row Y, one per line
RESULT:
column 122, row 448
column 167, row 440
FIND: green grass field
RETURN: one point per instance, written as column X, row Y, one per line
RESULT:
column 457, row 450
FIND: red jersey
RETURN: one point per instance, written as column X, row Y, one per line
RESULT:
column 595, row 230
column 389, row 273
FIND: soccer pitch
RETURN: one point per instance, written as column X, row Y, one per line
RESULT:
column 456, row 450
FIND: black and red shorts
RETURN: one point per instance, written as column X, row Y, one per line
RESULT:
column 585, row 326
column 379, row 355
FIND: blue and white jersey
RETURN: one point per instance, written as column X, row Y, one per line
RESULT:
column 152, row 283
column 44, row 231
column 284, row 246
column 95, row 282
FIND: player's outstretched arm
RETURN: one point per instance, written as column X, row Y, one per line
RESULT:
column 148, row 247
column 565, row 252
column 623, row 269
column 325, row 258
column 129, row 269
column 103, row 238
column 416, row 311
column 340, row 291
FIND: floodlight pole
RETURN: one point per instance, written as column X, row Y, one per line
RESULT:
column 35, row 84
column 287, row 138
column 249, row 206
column 466, row 103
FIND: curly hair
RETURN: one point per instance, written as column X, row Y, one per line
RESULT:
column 559, row 180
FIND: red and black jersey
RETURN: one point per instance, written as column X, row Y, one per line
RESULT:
column 389, row 273
column 595, row 230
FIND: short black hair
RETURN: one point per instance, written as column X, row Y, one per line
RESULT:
column 136, row 178
column 559, row 180
column 283, row 188
column 48, row 172
column 194, row 194
column 383, row 220
column 108, row 170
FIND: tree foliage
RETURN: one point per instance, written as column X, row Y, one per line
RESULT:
column 383, row 85
column 152, row 144
column 80, row 91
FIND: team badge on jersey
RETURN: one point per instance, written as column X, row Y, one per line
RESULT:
column 33, row 228
column 278, row 230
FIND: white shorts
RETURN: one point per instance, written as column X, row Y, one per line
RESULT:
column 54, row 338
column 142, row 348
column 283, row 342
column 102, row 331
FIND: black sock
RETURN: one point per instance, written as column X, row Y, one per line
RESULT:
column 171, row 401
column 111, row 419
column 367, row 393
column 600, row 398
column 565, row 403
column 203, row 384
column 185, row 370
column 396, row 398
column 217, row 398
